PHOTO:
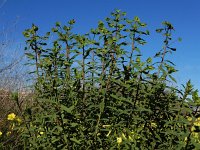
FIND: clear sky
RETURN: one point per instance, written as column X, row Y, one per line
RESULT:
column 183, row 14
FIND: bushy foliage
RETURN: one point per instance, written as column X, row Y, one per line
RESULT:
column 94, row 91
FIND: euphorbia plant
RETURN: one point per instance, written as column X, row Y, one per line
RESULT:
column 93, row 91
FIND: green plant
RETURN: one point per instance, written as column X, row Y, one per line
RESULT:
column 93, row 91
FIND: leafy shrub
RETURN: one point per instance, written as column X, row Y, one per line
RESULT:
column 94, row 91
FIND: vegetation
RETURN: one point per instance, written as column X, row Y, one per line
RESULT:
column 94, row 91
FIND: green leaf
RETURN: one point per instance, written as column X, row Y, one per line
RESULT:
column 30, row 56
column 75, row 140
column 54, row 30
column 87, row 53
column 101, row 106
column 195, row 97
column 137, row 59
column 66, row 28
column 26, row 34
column 58, row 24
column 159, row 30
column 71, row 22
column 149, row 60
column 35, row 28
column 136, row 19
column 173, row 49
column 172, row 78
column 67, row 109
column 74, row 124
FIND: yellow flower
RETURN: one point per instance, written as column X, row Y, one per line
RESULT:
column 135, row 135
column 18, row 120
column 197, row 122
column 1, row 133
column 192, row 128
column 8, row 133
column 154, row 125
column 195, row 135
column 119, row 140
column 11, row 116
column 40, row 134
column 185, row 140
column 189, row 118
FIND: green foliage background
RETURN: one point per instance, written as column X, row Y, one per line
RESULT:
column 93, row 91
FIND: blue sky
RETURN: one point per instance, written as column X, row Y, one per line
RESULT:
column 183, row 14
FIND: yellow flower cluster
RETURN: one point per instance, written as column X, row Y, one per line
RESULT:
column 195, row 135
column 40, row 134
column 129, row 137
column 8, row 133
column 12, row 117
column 119, row 140
column 154, row 125
column 197, row 122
